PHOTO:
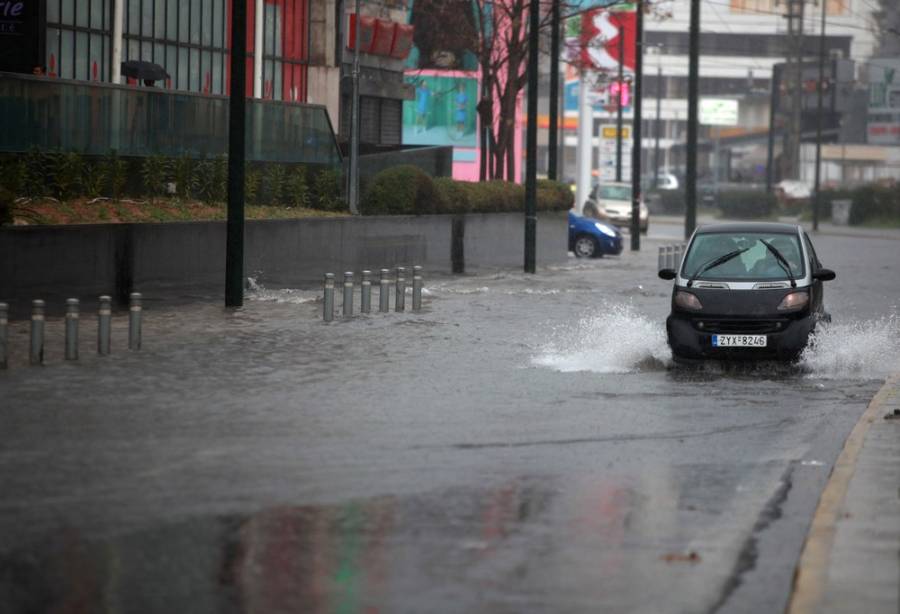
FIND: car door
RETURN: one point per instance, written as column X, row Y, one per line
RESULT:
column 816, row 299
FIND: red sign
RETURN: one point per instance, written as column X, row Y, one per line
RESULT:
column 600, row 33
column 403, row 41
column 366, row 33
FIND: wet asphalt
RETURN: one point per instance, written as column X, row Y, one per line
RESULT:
column 523, row 445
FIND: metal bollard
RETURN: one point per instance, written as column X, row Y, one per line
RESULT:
column 4, row 335
column 72, row 329
column 661, row 259
column 365, row 299
column 328, row 303
column 348, row 294
column 417, row 288
column 37, row 332
column 384, row 292
column 135, row 315
column 104, row 322
column 670, row 257
column 400, row 290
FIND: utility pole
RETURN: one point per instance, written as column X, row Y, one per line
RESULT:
column 791, row 154
column 773, row 116
column 553, row 132
column 658, row 124
column 619, row 105
column 353, row 189
column 234, row 230
column 819, row 113
column 636, row 128
column 690, row 189
column 531, row 138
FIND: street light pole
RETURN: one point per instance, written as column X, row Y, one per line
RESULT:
column 816, row 190
column 636, row 148
column 658, row 125
column 553, row 129
column 234, row 232
column 531, row 139
column 690, row 188
column 619, row 105
column 353, row 171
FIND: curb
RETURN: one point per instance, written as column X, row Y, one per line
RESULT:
column 811, row 575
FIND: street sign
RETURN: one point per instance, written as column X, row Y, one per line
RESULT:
column 607, row 152
column 718, row 112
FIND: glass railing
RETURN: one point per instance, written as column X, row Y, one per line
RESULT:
column 95, row 118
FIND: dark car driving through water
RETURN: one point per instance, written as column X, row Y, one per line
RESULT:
column 746, row 290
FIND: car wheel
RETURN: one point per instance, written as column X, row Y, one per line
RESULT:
column 645, row 229
column 586, row 247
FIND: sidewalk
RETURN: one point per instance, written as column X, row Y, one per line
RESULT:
column 850, row 561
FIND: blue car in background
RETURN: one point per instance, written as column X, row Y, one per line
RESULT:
column 592, row 238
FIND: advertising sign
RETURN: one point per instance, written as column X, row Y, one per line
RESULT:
column 884, row 102
column 22, row 32
column 443, row 112
column 718, row 112
column 607, row 151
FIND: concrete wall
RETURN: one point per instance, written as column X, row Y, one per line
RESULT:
column 185, row 260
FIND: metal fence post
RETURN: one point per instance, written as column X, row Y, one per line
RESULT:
column 328, row 302
column 417, row 288
column 384, row 292
column 37, row 332
column 348, row 294
column 661, row 259
column 135, row 313
column 365, row 298
column 72, row 329
column 104, row 322
column 400, row 291
column 4, row 335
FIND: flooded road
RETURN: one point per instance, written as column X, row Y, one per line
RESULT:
column 523, row 445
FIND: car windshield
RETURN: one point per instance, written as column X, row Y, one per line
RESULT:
column 756, row 263
column 615, row 192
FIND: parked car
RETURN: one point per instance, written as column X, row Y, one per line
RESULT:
column 614, row 201
column 746, row 291
column 590, row 237
column 667, row 181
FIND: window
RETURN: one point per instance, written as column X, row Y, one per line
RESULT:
column 77, row 42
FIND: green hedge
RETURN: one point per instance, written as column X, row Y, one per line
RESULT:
column 7, row 201
column 873, row 203
column 746, row 204
column 409, row 190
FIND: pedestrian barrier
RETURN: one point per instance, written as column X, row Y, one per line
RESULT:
column 72, row 320
column 670, row 256
column 384, row 292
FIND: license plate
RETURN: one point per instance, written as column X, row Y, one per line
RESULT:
column 739, row 341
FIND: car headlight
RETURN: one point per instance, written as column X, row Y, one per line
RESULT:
column 609, row 231
column 689, row 301
column 794, row 301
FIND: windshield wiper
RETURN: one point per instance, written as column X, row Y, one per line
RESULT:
column 781, row 260
column 714, row 263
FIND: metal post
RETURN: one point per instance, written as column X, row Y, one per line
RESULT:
column 531, row 139
column 553, row 129
column 636, row 128
column 773, row 114
column 661, row 259
column 135, row 314
column 365, row 300
column 658, row 127
column 353, row 174
column 258, row 48
column 328, row 302
column 37, row 332
column 234, row 241
column 619, row 104
column 690, row 188
column 4, row 335
column 819, row 113
column 417, row 288
column 118, row 16
column 348, row 294
column 384, row 292
column 400, row 291
column 104, row 321
column 72, row 329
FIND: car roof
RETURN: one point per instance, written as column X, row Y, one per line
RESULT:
column 770, row 227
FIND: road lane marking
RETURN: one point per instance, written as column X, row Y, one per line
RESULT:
column 811, row 575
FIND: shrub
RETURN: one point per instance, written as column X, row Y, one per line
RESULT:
column 252, row 179
column 274, row 184
column 211, row 177
column 326, row 191
column 115, row 170
column 454, row 198
column 401, row 189
column 297, row 188
column 34, row 177
column 554, row 196
column 67, row 169
column 7, row 202
column 183, row 175
column 155, row 173
column 874, row 203
column 93, row 179
column 14, row 175
column 746, row 203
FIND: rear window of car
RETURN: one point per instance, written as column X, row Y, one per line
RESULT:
column 756, row 263
column 615, row 192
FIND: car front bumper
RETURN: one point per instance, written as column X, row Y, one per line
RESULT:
column 785, row 337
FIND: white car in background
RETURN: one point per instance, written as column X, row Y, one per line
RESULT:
column 613, row 201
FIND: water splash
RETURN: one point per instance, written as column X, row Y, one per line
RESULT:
column 620, row 340
column 868, row 348
column 255, row 291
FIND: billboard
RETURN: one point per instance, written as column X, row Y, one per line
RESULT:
column 884, row 102
column 718, row 112
column 23, row 29
column 443, row 111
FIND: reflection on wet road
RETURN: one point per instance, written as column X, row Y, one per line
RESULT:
column 525, row 445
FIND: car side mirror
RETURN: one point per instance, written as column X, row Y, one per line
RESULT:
column 669, row 274
column 824, row 275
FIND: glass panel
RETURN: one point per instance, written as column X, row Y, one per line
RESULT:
column 52, row 12
column 147, row 18
column 207, row 72
column 97, row 73
column 81, row 14
column 172, row 20
column 195, row 22
column 159, row 18
column 217, row 72
column 53, row 52
column 219, row 23
column 134, row 17
column 66, row 54
column 147, row 52
column 159, row 55
column 134, row 50
column 183, row 19
column 205, row 27
column 68, row 12
column 81, row 56
column 278, row 93
column 194, row 71
column 97, row 8
column 269, row 30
